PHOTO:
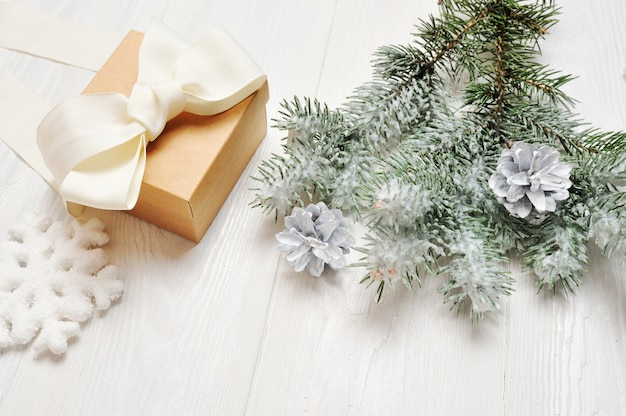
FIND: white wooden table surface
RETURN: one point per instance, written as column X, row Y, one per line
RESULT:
column 226, row 328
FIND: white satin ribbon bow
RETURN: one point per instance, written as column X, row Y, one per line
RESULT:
column 95, row 145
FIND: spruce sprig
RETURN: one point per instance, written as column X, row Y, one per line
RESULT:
column 411, row 158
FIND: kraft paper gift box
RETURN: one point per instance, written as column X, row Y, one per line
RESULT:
column 194, row 164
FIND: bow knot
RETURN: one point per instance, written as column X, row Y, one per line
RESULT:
column 154, row 105
column 95, row 144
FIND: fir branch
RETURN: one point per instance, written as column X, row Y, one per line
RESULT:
column 475, row 271
column 397, row 257
column 608, row 223
column 540, row 123
column 543, row 83
column 559, row 254
column 450, row 16
column 284, row 183
column 384, row 113
column 404, row 156
column 308, row 118
column 605, row 160
column 316, row 139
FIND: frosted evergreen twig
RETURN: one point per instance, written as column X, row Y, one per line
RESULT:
column 411, row 158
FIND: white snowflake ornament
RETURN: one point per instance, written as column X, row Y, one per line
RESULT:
column 53, row 275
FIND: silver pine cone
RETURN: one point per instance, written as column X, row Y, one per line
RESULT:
column 315, row 236
column 529, row 181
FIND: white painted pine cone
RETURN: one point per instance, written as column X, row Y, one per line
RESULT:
column 529, row 181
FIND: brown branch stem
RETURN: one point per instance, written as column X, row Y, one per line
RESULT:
column 456, row 39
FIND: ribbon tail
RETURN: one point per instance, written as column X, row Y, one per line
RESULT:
column 78, row 45
column 20, row 112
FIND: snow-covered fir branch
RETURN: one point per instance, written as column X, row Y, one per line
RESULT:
column 450, row 181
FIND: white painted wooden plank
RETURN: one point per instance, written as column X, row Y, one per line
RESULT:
column 185, row 337
column 359, row 30
column 590, row 43
column 567, row 356
column 329, row 349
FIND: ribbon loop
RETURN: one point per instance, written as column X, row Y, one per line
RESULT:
column 95, row 145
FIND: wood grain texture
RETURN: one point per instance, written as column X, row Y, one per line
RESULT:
column 225, row 327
